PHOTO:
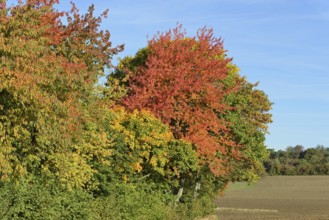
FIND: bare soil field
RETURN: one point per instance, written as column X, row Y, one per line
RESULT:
column 277, row 197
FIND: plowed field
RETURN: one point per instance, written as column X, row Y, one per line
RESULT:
column 277, row 197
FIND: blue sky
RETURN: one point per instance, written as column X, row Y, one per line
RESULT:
column 283, row 44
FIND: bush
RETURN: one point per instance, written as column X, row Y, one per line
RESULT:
column 37, row 200
column 135, row 201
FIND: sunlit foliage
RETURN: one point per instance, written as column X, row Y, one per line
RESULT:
column 173, row 124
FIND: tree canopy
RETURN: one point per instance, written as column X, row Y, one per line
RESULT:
column 48, row 73
column 191, row 85
column 298, row 161
column 170, row 128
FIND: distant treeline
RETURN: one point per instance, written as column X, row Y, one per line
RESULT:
column 298, row 161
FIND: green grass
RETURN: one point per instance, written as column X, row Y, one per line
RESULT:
column 239, row 186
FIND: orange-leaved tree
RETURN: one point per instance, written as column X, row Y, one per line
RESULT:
column 180, row 80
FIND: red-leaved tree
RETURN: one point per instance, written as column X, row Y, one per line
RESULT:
column 180, row 80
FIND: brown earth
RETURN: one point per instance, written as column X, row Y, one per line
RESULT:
column 277, row 197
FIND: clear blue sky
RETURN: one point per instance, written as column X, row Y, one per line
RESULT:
column 283, row 44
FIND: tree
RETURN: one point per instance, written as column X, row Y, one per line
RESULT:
column 69, row 140
column 48, row 71
column 191, row 85
column 144, row 149
column 248, row 118
column 179, row 79
column 297, row 161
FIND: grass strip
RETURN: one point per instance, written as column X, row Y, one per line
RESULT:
column 246, row 210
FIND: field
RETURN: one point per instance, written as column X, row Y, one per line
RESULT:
column 277, row 197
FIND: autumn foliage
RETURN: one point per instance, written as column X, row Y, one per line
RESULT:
column 181, row 82
column 48, row 75
column 169, row 129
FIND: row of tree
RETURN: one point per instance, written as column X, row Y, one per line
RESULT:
column 169, row 129
column 298, row 161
